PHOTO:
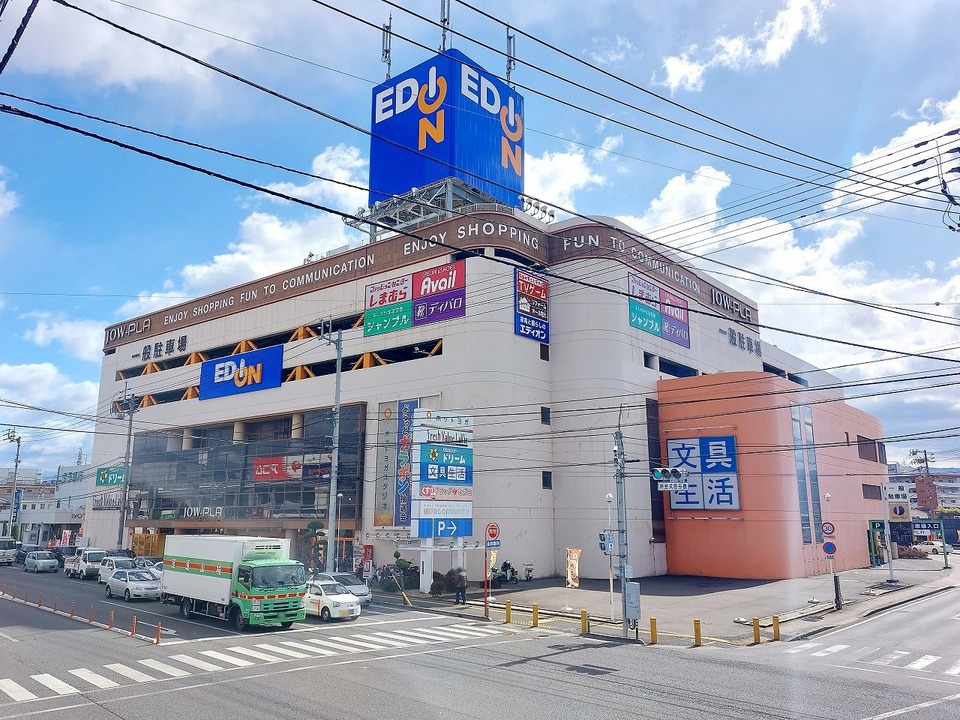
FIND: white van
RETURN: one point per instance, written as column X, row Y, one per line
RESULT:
column 8, row 550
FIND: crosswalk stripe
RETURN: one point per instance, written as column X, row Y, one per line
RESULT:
column 282, row 651
column 129, row 672
column 421, row 635
column 164, row 668
column 335, row 646
column 253, row 653
column 402, row 638
column 195, row 662
column 58, row 686
column 457, row 633
column 15, row 691
column 384, row 641
column 216, row 655
column 474, row 628
column 955, row 670
column 801, row 648
column 361, row 643
column 889, row 658
column 94, row 679
column 922, row 662
column 311, row 648
column 830, row 650
column 444, row 634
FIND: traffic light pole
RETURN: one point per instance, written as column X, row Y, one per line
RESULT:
column 618, row 465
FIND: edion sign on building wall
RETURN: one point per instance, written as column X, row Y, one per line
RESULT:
column 447, row 117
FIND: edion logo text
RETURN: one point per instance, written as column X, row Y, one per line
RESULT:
column 240, row 373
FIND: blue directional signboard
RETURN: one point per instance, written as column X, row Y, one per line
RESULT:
column 442, row 493
column 531, row 318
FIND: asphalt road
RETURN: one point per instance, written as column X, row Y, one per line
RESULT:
column 409, row 664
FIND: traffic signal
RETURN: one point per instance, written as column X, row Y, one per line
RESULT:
column 669, row 474
column 603, row 543
column 606, row 542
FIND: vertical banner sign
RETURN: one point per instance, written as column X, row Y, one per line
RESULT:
column 428, row 296
column 386, row 473
column 401, row 510
column 573, row 567
column 658, row 311
column 531, row 317
column 442, row 474
column 367, row 560
column 711, row 464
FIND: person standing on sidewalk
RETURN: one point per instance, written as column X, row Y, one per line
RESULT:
column 461, row 586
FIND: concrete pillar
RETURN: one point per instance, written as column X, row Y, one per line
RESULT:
column 187, row 443
column 296, row 429
column 239, row 432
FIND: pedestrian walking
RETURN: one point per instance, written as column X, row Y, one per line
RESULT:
column 461, row 586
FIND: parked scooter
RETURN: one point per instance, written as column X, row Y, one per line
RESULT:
column 506, row 574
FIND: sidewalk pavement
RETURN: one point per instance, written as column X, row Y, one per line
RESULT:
column 725, row 608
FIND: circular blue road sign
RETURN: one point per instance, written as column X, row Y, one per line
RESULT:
column 830, row 548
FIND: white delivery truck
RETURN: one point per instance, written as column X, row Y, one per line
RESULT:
column 244, row 580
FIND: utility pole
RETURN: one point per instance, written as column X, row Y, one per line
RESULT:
column 127, row 405
column 332, row 509
column 618, row 467
column 12, row 436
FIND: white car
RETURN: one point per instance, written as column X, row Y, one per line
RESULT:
column 352, row 583
column 157, row 570
column 934, row 547
column 133, row 584
column 111, row 563
column 330, row 600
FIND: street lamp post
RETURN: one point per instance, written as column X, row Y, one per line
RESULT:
column 337, row 342
column 127, row 405
column 11, row 436
column 337, row 559
column 609, row 500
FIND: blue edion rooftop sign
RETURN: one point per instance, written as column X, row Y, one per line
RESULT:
column 446, row 118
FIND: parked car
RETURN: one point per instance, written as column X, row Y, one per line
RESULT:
column 157, row 570
column 934, row 547
column 22, row 552
column 62, row 552
column 41, row 561
column 330, row 600
column 85, row 564
column 352, row 583
column 133, row 584
column 8, row 550
column 122, row 552
column 111, row 563
column 145, row 562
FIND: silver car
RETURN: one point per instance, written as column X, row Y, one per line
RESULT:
column 351, row 582
column 133, row 585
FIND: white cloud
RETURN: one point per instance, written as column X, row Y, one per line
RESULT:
column 608, row 145
column 556, row 177
column 606, row 52
column 9, row 200
column 81, row 339
column 768, row 45
column 341, row 163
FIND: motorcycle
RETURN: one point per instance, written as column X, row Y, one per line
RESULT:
column 506, row 574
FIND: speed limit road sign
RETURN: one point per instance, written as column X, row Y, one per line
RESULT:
column 827, row 528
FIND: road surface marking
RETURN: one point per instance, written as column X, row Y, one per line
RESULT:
column 335, row 646
column 94, row 679
column 310, row 648
column 407, row 640
column 195, row 662
column 129, row 672
column 955, row 670
column 164, row 668
column 283, row 651
column 829, row 651
column 58, row 686
column 488, row 630
column 7, row 637
column 15, row 691
column 362, row 644
column 889, row 658
column 421, row 635
column 801, row 648
column 922, row 662
column 911, row 708
column 239, row 662
column 253, row 653
column 444, row 634
column 384, row 642
column 461, row 632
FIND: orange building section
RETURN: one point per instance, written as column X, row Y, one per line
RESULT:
column 764, row 538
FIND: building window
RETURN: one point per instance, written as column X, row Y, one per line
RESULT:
column 668, row 367
column 867, row 448
column 546, row 480
column 544, row 352
column 544, row 416
column 650, row 361
column 811, row 450
column 872, row 492
column 658, row 529
column 805, row 524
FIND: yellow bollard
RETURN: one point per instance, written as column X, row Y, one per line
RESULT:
column 776, row 627
column 756, row 631
column 535, row 610
column 133, row 626
column 158, row 632
column 584, row 623
column 696, row 632
column 653, row 631
column 507, row 612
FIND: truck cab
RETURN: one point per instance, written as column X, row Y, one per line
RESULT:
column 85, row 564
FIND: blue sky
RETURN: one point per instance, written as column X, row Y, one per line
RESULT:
column 91, row 234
